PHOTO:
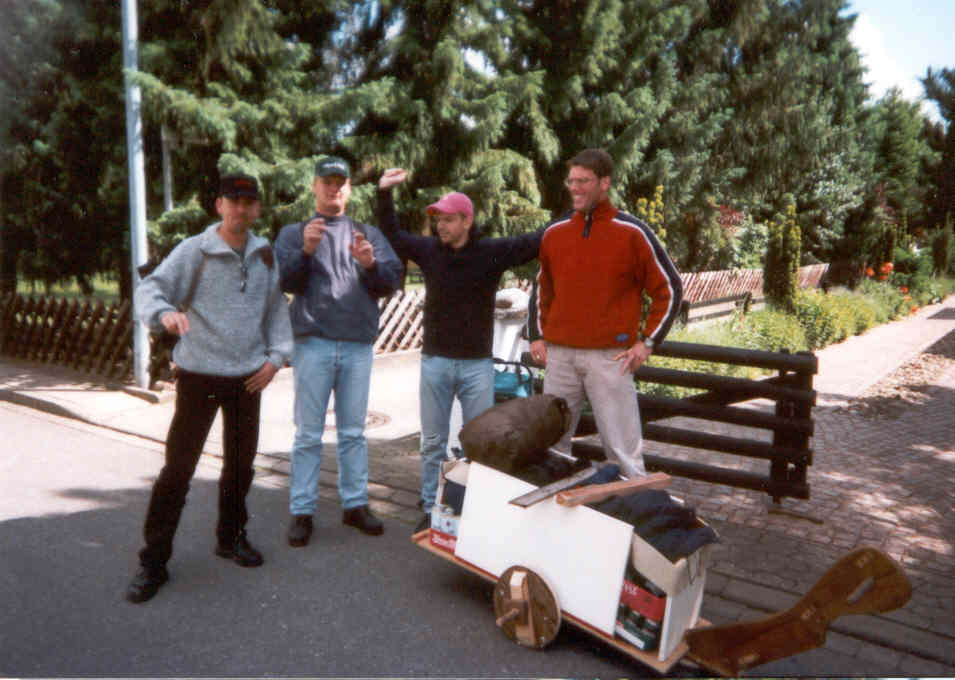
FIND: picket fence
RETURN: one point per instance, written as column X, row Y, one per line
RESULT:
column 96, row 338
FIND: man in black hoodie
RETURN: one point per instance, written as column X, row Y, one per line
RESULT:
column 462, row 271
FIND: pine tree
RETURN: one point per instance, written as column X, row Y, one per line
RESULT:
column 940, row 192
column 423, row 103
column 796, row 83
column 64, row 183
column 900, row 153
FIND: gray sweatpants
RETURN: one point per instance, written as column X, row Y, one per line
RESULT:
column 592, row 374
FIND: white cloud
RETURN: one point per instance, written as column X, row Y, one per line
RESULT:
column 883, row 71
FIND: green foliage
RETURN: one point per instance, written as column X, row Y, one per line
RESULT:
column 780, row 281
column 941, row 241
column 940, row 137
column 827, row 319
column 702, row 105
column 901, row 152
column 772, row 330
column 890, row 301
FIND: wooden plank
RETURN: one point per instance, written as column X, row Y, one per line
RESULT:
column 82, row 345
column 74, row 332
column 57, row 321
column 655, row 408
column 37, row 328
column 594, row 493
column 11, row 304
column 61, row 344
column 718, row 442
column 121, row 361
column 23, row 327
column 98, row 335
column 802, row 362
column 719, row 383
column 120, row 318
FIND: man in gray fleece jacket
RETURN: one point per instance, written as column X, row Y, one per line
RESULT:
column 219, row 291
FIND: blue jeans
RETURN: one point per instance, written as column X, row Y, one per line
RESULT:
column 319, row 367
column 472, row 381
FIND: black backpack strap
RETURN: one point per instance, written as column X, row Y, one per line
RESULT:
column 195, row 282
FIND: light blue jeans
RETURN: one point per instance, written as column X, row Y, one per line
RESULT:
column 320, row 366
column 443, row 379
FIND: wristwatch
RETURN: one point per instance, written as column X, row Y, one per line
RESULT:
column 648, row 343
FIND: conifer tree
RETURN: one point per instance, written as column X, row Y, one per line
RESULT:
column 780, row 281
column 900, row 154
column 940, row 195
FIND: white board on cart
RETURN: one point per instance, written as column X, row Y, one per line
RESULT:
column 581, row 553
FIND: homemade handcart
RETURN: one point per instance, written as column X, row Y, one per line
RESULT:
column 557, row 560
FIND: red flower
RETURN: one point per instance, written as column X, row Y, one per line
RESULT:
column 904, row 289
column 886, row 268
column 914, row 309
column 883, row 278
column 869, row 271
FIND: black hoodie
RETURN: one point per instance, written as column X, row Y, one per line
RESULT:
column 460, row 285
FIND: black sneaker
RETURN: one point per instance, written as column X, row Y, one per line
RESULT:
column 146, row 583
column 300, row 530
column 362, row 519
column 240, row 552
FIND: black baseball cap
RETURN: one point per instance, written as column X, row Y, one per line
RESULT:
column 237, row 185
column 332, row 165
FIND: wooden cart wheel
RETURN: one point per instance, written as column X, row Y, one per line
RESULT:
column 526, row 608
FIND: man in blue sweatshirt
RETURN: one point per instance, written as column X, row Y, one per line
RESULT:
column 338, row 269
column 218, row 291
column 462, row 271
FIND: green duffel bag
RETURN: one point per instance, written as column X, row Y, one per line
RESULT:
column 516, row 433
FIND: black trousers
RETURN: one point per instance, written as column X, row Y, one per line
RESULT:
column 198, row 398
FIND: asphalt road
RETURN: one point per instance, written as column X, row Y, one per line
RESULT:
column 71, row 509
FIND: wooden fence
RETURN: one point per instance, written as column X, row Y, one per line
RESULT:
column 97, row 338
column 78, row 334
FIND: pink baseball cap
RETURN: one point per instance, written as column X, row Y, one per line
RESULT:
column 452, row 203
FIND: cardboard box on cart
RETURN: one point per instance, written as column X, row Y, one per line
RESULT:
column 582, row 554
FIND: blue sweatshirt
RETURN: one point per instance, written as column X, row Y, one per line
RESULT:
column 335, row 298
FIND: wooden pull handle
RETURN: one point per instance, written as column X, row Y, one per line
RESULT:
column 865, row 581
column 599, row 492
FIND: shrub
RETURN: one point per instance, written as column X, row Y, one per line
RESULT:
column 782, row 259
column 772, row 330
column 942, row 247
column 890, row 301
column 826, row 318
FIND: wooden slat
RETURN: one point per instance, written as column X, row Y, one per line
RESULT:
column 121, row 317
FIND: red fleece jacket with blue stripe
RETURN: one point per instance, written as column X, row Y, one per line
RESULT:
column 594, row 268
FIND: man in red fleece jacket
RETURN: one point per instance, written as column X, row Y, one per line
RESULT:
column 595, row 264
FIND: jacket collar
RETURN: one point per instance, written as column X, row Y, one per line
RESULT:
column 212, row 244
column 603, row 210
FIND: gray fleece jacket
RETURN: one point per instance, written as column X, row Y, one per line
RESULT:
column 238, row 317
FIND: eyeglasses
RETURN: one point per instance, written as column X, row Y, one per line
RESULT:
column 572, row 182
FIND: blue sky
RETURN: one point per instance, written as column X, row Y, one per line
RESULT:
column 900, row 40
